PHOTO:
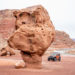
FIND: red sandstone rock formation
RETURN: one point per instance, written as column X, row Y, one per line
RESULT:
column 7, row 23
column 7, row 27
column 7, row 51
column 62, row 40
column 35, row 32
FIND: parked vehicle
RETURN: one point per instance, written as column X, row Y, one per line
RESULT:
column 55, row 56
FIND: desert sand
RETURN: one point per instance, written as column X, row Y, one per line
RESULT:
column 65, row 67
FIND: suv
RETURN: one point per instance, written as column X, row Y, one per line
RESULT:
column 54, row 56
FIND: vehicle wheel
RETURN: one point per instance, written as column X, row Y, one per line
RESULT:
column 54, row 59
column 48, row 59
column 59, row 59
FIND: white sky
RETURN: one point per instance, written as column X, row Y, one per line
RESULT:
column 62, row 12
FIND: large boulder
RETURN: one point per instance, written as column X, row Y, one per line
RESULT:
column 35, row 32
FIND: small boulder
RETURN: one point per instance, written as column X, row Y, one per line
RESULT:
column 20, row 64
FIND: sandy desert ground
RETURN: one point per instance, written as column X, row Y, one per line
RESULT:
column 65, row 67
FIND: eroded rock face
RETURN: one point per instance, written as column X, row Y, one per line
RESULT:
column 7, row 27
column 35, row 32
column 62, row 40
column 7, row 51
column 7, row 23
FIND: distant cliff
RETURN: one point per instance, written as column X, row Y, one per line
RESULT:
column 7, row 23
column 62, row 40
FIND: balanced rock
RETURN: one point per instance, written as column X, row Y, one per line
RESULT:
column 35, row 33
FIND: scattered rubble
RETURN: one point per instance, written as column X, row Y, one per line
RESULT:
column 7, row 51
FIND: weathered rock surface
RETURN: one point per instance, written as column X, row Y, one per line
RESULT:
column 35, row 32
column 7, row 51
column 7, row 23
column 7, row 27
column 20, row 64
column 62, row 40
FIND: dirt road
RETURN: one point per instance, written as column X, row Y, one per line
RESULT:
column 65, row 67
